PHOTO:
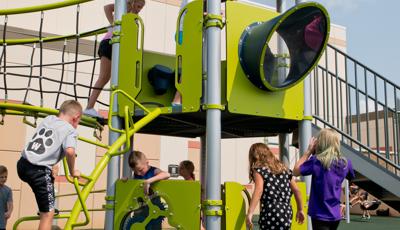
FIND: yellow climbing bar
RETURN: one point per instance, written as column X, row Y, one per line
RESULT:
column 113, row 150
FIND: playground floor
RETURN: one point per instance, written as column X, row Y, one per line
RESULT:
column 375, row 223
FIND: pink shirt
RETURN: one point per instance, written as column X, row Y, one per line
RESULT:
column 108, row 34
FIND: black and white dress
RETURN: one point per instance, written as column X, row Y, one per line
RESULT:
column 276, row 210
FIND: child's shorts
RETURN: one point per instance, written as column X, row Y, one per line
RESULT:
column 40, row 180
column 105, row 49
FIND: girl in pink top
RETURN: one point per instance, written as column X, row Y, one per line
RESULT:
column 133, row 6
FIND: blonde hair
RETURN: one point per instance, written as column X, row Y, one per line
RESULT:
column 327, row 150
column 71, row 108
column 135, row 157
column 261, row 156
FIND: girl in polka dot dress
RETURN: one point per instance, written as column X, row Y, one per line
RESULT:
column 274, row 185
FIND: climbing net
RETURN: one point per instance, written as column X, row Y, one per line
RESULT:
column 41, row 69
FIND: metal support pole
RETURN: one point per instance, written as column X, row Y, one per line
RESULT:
column 126, row 169
column 284, row 148
column 213, row 126
column 113, row 170
column 283, row 137
column 203, row 168
column 305, row 132
column 347, row 194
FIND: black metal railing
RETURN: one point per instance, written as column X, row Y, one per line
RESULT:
column 350, row 97
column 365, row 150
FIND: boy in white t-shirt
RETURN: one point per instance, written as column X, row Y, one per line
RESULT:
column 54, row 139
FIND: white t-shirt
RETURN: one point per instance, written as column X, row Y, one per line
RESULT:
column 51, row 138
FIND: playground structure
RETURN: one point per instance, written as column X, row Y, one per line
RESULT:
column 256, row 99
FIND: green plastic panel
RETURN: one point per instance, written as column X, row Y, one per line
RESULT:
column 147, row 96
column 130, row 62
column 242, row 96
column 182, row 199
column 295, row 225
column 235, row 207
column 190, row 53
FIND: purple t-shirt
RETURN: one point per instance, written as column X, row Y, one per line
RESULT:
column 326, row 186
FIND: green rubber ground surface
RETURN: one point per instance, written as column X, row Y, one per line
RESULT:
column 356, row 223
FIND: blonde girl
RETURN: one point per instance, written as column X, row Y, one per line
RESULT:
column 328, row 167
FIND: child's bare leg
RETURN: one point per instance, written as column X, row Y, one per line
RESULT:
column 46, row 219
column 177, row 98
column 104, row 77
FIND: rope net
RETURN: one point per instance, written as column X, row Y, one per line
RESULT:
column 44, row 72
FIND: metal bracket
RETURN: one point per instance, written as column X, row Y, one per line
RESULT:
column 114, row 40
column 213, row 213
column 3, row 114
column 97, row 136
column 116, row 33
column 209, row 21
column 108, row 206
column 213, row 106
column 212, row 203
column 109, row 198
column 25, row 121
column 308, row 118
column 282, row 55
column 218, row 203
column 283, row 65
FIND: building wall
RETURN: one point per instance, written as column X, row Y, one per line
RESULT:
column 159, row 17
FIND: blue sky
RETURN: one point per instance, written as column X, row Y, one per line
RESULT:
column 373, row 31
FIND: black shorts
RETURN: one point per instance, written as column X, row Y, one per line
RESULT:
column 324, row 225
column 105, row 49
column 41, row 182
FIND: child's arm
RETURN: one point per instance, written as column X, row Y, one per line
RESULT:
column 304, row 158
column 10, row 207
column 70, row 154
column 159, row 175
column 299, row 201
column 109, row 11
column 255, row 198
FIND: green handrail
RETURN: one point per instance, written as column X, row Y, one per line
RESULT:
column 30, row 110
column 23, row 41
column 74, row 194
column 49, row 6
column 69, row 178
column 104, row 162
column 83, row 203
column 97, row 143
column 127, row 118
column 31, row 218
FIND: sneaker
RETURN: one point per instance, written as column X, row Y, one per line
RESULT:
column 175, row 104
column 91, row 113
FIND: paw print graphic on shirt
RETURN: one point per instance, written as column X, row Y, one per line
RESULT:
column 41, row 141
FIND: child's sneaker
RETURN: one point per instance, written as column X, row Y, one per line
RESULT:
column 91, row 113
